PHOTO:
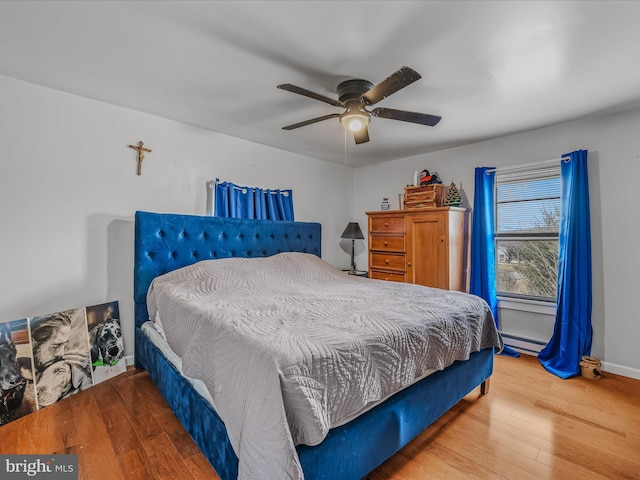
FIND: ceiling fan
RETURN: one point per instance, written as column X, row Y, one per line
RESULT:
column 357, row 94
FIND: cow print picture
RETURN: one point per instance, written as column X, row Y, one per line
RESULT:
column 105, row 341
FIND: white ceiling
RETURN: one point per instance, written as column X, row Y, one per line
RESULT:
column 488, row 68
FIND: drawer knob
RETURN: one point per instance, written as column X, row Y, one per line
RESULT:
column 386, row 243
column 386, row 224
column 386, row 261
column 408, row 264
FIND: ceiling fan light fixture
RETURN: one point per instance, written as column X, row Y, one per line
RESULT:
column 356, row 94
column 354, row 121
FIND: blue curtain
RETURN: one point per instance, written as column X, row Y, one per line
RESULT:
column 572, row 332
column 483, row 257
column 250, row 202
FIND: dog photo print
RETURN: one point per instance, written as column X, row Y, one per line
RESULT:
column 105, row 341
column 16, row 373
column 61, row 358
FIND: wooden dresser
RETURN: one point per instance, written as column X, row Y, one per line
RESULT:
column 428, row 247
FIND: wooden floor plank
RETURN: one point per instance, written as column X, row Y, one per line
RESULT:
column 183, row 443
column 134, row 460
column 200, row 468
column 97, row 453
column 168, row 465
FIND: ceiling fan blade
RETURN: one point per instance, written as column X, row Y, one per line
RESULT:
column 309, row 122
column 390, row 85
column 362, row 135
column 404, row 116
column 308, row 93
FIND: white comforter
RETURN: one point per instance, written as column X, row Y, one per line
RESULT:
column 290, row 347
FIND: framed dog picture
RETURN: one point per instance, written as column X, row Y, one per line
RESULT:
column 48, row 358
column 61, row 359
column 105, row 341
column 16, row 372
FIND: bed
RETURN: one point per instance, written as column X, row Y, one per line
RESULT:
column 351, row 449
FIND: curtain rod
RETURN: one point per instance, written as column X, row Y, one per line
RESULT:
column 212, row 183
column 527, row 166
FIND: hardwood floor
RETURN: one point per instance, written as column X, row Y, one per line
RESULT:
column 531, row 425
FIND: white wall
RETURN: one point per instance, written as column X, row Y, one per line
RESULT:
column 69, row 189
column 614, row 170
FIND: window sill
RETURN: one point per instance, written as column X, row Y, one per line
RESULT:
column 525, row 305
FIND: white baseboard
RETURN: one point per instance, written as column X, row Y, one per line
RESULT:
column 621, row 370
column 129, row 359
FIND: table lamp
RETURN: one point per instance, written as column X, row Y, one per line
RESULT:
column 352, row 232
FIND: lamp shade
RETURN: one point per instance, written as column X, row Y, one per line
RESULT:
column 354, row 122
column 352, row 232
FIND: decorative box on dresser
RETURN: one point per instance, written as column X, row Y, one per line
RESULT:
column 428, row 247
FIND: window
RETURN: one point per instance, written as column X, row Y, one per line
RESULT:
column 527, row 225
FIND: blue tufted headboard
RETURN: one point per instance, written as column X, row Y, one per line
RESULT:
column 166, row 242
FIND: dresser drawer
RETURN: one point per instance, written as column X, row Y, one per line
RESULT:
column 387, row 261
column 387, row 224
column 387, row 243
column 419, row 204
column 391, row 276
column 421, row 196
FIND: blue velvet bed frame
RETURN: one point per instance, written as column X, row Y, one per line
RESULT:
column 165, row 242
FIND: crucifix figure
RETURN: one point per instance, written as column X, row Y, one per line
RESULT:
column 140, row 148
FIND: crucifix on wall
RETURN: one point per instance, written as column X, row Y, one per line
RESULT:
column 141, row 150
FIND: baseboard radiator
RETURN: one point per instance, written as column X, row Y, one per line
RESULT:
column 528, row 346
